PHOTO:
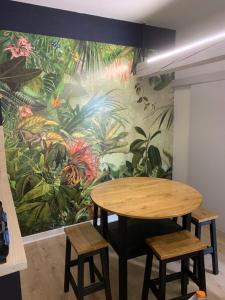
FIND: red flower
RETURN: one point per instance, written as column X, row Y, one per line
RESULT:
column 24, row 111
column 21, row 48
column 83, row 163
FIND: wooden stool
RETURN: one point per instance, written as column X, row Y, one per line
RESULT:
column 171, row 247
column 86, row 242
column 201, row 217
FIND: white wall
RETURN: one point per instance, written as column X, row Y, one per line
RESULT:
column 199, row 142
column 199, row 125
column 181, row 133
column 206, row 163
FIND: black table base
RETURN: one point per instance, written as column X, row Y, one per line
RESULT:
column 127, row 237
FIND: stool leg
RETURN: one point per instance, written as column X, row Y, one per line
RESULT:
column 198, row 234
column 201, row 271
column 67, row 266
column 80, row 278
column 184, row 275
column 105, row 273
column 147, row 276
column 198, row 230
column 162, row 280
column 214, row 246
column 91, row 269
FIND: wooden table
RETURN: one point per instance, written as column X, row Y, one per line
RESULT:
column 144, row 198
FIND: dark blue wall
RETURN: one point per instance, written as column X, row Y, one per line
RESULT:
column 43, row 20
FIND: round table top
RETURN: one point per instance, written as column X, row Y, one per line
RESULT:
column 146, row 197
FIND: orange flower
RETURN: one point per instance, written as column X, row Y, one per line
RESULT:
column 56, row 102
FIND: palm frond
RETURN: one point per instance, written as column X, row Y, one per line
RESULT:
column 16, row 99
column 80, row 116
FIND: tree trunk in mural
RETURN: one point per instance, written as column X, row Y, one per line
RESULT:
column 75, row 115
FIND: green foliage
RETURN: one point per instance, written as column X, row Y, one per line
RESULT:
column 109, row 136
column 142, row 97
column 146, row 160
column 160, row 82
column 42, row 200
column 51, row 177
column 164, row 115
column 52, row 55
column 14, row 73
column 12, row 100
column 81, row 118
column 154, row 157
column 51, row 85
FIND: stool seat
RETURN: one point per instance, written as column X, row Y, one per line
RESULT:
column 202, row 215
column 85, row 238
column 200, row 218
column 175, row 244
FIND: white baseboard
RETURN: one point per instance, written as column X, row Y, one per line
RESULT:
column 55, row 232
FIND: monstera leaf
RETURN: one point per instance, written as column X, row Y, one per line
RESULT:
column 14, row 73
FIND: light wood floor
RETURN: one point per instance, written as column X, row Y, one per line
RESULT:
column 43, row 280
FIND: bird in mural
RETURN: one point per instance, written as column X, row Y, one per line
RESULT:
column 30, row 138
column 55, row 44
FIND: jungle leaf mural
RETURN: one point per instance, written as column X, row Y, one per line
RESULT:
column 75, row 116
column 14, row 73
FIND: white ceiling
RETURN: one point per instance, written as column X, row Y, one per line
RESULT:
column 165, row 13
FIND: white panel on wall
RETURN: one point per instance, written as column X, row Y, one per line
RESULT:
column 206, row 168
column 181, row 133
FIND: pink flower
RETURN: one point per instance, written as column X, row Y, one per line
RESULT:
column 25, row 111
column 21, row 48
column 119, row 69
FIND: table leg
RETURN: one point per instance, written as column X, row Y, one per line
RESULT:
column 104, row 223
column 104, row 228
column 187, row 222
column 95, row 216
column 122, row 228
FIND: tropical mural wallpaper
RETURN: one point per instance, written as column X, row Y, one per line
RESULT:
column 76, row 115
